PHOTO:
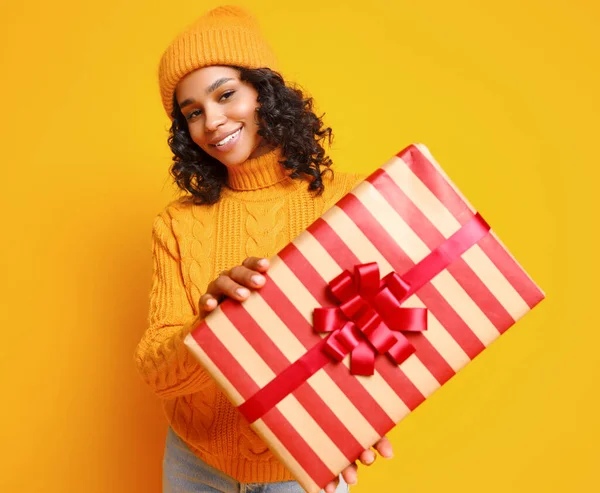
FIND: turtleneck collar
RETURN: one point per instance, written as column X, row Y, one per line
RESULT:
column 257, row 173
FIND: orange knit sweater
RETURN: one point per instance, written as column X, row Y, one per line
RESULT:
column 260, row 211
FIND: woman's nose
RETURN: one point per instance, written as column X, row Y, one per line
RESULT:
column 214, row 119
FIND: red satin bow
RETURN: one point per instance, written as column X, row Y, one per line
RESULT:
column 369, row 319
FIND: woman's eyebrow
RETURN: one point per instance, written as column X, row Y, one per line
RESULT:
column 213, row 87
column 186, row 102
column 216, row 84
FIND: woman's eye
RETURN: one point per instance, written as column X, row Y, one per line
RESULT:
column 227, row 95
column 193, row 114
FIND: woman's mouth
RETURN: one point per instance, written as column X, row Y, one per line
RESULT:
column 228, row 142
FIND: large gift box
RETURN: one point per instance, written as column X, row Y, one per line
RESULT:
column 363, row 316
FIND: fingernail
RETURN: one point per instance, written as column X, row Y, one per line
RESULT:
column 262, row 262
column 242, row 292
column 257, row 280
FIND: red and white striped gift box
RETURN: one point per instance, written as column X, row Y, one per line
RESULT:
column 314, row 413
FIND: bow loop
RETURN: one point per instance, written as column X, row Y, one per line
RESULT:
column 343, row 287
column 387, row 305
column 367, row 278
column 369, row 319
column 340, row 343
column 397, row 286
column 383, row 339
column 328, row 319
column 353, row 306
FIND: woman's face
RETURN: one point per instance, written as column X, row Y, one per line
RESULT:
column 221, row 115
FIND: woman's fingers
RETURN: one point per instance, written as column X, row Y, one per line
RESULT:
column 256, row 263
column 235, row 283
column 367, row 457
column 384, row 447
column 331, row 486
column 350, row 474
column 208, row 302
column 247, row 277
column 224, row 285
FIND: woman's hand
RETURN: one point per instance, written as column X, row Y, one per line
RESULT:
column 235, row 283
column 350, row 474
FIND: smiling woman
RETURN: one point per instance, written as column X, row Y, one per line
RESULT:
column 211, row 103
column 248, row 154
column 220, row 111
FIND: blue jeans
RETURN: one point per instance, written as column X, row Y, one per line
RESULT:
column 184, row 472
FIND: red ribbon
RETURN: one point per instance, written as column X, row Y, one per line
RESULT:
column 369, row 319
column 367, row 304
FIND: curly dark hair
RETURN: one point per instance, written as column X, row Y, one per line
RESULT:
column 286, row 120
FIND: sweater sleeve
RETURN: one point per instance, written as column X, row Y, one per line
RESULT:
column 162, row 359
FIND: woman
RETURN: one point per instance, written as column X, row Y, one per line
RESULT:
column 248, row 153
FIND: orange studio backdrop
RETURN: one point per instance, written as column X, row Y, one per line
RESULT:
column 504, row 94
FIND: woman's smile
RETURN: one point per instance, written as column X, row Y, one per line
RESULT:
column 228, row 142
column 221, row 114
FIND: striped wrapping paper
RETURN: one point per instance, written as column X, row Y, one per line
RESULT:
column 396, row 217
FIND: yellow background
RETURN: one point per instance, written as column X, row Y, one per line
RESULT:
column 505, row 94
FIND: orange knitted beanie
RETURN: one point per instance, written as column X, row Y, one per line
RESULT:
column 227, row 35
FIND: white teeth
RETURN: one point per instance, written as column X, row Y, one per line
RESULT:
column 227, row 139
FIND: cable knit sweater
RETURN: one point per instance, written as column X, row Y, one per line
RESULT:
column 259, row 212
